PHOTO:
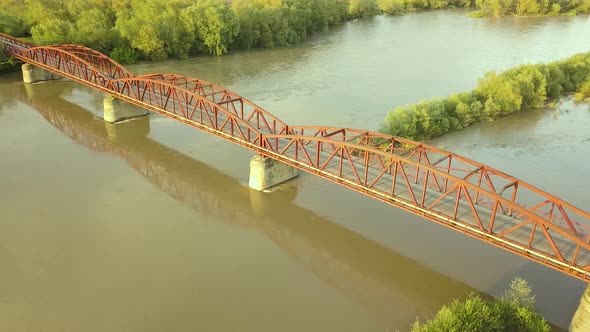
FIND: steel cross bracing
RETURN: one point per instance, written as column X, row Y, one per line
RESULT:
column 441, row 186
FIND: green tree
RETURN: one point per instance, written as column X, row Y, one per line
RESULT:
column 527, row 7
column 437, row 4
column 584, row 93
column 465, row 108
column 401, row 122
column 500, row 96
column 392, row 7
column 177, row 40
column 76, row 7
column 576, row 70
column 12, row 25
column 154, row 28
column 42, row 11
column 124, row 55
column 337, row 11
column 531, row 7
column 304, row 18
column 263, row 23
column 431, row 119
column 14, row 8
column 530, row 83
column 94, row 28
column 514, row 311
column 157, row 29
column 211, row 26
column 495, row 7
column 584, row 7
column 55, row 31
column 555, row 79
column 362, row 8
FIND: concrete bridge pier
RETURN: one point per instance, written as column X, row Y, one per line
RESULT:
column 32, row 74
column 581, row 320
column 116, row 110
column 266, row 173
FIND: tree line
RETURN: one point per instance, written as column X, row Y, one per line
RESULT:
column 129, row 30
column 531, row 7
column 496, row 95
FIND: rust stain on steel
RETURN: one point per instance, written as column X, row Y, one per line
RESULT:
column 449, row 189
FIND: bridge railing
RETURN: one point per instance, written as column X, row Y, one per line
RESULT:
column 238, row 105
column 186, row 105
column 517, row 191
column 463, row 203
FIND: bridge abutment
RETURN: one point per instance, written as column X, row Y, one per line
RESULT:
column 116, row 110
column 32, row 74
column 581, row 320
column 266, row 173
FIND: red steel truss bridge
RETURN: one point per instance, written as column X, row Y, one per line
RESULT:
column 441, row 186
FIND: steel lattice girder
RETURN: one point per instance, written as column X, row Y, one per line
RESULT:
column 452, row 190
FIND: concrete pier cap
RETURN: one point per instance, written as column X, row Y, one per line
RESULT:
column 116, row 110
column 266, row 173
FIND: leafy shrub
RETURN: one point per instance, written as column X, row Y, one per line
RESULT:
column 55, row 31
column 12, row 25
column 124, row 55
column 584, row 93
column 512, row 312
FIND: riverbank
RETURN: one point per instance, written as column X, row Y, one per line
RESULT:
column 6, row 67
column 496, row 95
column 157, row 30
column 7, row 64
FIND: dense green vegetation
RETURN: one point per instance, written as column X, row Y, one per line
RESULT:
column 584, row 93
column 129, row 30
column 512, row 312
column 496, row 95
column 156, row 29
column 531, row 7
column 6, row 64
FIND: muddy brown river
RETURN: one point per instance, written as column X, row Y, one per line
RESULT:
column 150, row 225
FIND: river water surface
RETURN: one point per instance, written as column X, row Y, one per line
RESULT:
column 150, row 225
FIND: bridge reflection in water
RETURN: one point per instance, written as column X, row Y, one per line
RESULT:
column 362, row 270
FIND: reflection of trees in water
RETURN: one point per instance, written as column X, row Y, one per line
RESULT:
column 11, row 91
column 240, row 66
column 362, row 270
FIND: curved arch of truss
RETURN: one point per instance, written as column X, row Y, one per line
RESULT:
column 105, row 64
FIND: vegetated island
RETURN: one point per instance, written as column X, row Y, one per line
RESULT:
column 496, row 95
